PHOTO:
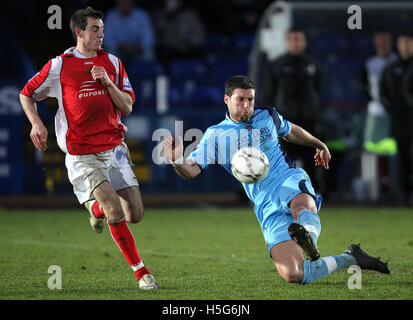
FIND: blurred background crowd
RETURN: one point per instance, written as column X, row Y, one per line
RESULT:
column 353, row 88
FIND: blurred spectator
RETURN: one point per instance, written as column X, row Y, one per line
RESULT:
column 395, row 100
column 294, row 86
column 247, row 14
column 377, row 141
column 129, row 32
column 180, row 32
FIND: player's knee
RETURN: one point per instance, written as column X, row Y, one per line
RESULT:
column 113, row 210
column 136, row 215
column 312, row 207
column 292, row 276
column 140, row 215
column 307, row 206
column 303, row 203
column 136, row 218
column 290, row 270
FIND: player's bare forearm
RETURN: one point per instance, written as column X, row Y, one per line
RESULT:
column 122, row 100
column 302, row 137
column 187, row 170
column 39, row 133
column 30, row 109
column 174, row 152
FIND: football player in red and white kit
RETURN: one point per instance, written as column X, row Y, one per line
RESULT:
column 93, row 90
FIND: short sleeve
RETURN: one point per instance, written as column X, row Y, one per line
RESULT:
column 124, row 83
column 282, row 125
column 43, row 84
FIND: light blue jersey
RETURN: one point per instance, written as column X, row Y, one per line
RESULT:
column 271, row 196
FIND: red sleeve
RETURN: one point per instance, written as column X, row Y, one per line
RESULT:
column 36, row 81
column 124, row 83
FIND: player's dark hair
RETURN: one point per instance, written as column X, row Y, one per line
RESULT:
column 295, row 29
column 405, row 33
column 238, row 82
column 79, row 19
column 382, row 30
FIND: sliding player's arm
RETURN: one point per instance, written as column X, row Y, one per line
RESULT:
column 300, row 136
column 185, row 168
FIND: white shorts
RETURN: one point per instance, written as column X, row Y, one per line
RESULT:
column 88, row 171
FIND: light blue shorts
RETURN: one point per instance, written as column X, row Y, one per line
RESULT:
column 277, row 213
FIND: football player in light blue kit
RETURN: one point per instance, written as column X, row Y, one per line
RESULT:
column 286, row 205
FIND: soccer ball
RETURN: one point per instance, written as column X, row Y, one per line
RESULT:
column 249, row 165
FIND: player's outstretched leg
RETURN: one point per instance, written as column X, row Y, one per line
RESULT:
column 314, row 270
column 366, row 261
column 97, row 216
column 354, row 255
column 289, row 261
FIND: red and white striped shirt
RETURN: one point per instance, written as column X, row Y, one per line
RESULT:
column 87, row 121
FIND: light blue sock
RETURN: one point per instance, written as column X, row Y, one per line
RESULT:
column 311, row 222
column 323, row 267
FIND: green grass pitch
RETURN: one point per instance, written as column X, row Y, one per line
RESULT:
column 197, row 254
